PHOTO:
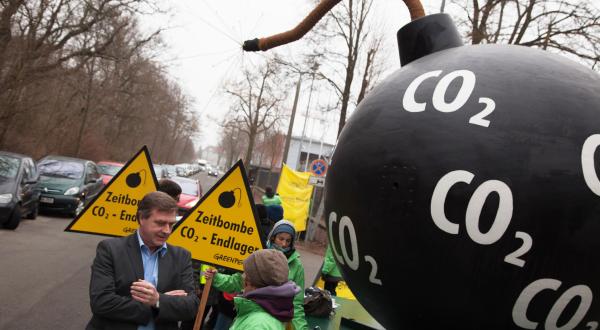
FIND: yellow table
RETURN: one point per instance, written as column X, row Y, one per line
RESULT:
column 349, row 315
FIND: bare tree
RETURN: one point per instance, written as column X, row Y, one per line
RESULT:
column 78, row 77
column 567, row 26
column 256, row 102
column 346, row 27
column 274, row 148
column 39, row 39
column 270, row 148
column 231, row 142
column 373, row 68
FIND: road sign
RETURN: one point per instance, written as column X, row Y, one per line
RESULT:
column 316, row 181
column 113, row 211
column 318, row 167
column 221, row 229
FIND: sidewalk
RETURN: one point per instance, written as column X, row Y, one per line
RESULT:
column 311, row 254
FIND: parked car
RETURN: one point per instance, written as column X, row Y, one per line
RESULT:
column 171, row 170
column 191, row 192
column 67, row 184
column 108, row 170
column 18, row 189
column 160, row 171
column 181, row 170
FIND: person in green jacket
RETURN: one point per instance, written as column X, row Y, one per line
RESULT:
column 330, row 273
column 270, row 198
column 282, row 238
column 268, row 298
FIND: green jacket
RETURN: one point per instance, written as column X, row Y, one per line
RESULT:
column 275, row 200
column 234, row 283
column 251, row 316
column 329, row 266
column 297, row 275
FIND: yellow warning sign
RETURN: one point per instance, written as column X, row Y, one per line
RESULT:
column 113, row 211
column 221, row 229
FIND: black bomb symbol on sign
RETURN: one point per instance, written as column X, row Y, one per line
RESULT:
column 133, row 180
column 227, row 198
column 482, row 165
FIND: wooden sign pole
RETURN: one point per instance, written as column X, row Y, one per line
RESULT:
column 203, row 301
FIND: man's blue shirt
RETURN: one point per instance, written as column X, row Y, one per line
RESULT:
column 150, row 261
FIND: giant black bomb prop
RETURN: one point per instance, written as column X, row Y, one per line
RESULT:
column 463, row 192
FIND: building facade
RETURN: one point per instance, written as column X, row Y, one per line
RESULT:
column 304, row 150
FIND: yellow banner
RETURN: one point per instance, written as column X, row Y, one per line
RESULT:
column 295, row 193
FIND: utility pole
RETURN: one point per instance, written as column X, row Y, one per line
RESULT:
column 289, row 133
column 312, row 129
column 306, row 119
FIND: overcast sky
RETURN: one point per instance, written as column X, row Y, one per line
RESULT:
column 204, row 50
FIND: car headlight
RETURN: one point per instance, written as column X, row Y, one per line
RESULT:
column 72, row 191
column 5, row 198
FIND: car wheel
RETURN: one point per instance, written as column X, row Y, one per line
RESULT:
column 14, row 220
column 34, row 212
column 78, row 209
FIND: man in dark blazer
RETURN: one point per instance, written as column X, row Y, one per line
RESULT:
column 139, row 281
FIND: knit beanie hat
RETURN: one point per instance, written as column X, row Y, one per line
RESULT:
column 284, row 227
column 266, row 267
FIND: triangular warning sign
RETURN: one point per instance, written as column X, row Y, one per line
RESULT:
column 221, row 229
column 113, row 211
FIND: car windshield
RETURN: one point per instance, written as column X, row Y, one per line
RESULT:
column 188, row 187
column 9, row 166
column 60, row 169
column 108, row 169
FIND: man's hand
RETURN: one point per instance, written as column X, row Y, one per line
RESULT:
column 144, row 292
column 210, row 273
column 180, row 293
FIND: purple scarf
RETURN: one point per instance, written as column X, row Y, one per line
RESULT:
column 276, row 300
